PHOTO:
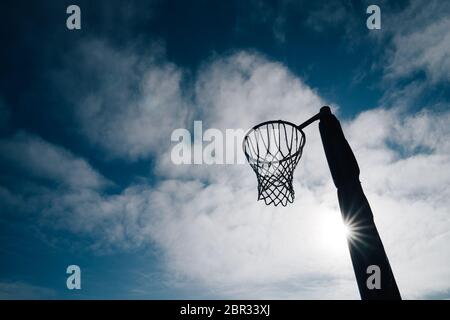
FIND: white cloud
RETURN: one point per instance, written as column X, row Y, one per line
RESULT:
column 236, row 91
column 134, row 102
column 220, row 237
column 41, row 159
column 421, row 41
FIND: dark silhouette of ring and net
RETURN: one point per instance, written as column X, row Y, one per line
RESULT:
column 273, row 149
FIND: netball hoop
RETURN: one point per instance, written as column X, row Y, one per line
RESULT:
column 273, row 150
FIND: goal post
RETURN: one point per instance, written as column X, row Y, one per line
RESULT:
column 366, row 249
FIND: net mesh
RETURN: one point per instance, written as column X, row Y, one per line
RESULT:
column 273, row 150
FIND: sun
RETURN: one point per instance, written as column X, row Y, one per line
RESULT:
column 333, row 233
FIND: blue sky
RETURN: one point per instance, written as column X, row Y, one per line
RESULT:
column 85, row 124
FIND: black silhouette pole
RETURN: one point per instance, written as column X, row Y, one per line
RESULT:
column 366, row 248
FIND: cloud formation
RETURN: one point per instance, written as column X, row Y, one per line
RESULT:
column 219, row 236
column 211, row 231
column 421, row 41
column 125, row 103
column 40, row 159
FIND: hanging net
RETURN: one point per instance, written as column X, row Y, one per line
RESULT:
column 273, row 149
